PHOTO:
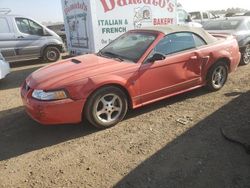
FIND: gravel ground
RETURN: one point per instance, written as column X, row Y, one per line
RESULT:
column 173, row 143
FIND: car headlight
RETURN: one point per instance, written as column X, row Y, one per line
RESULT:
column 49, row 95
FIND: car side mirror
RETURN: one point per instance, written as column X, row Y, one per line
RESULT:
column 156, row 57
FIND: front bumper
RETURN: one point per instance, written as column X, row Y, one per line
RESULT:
column 52, row 112
column 63, row 49
column 4, row 69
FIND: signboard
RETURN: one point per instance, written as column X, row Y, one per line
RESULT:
column 77, row 24
column 118, row 16
column 92, row 24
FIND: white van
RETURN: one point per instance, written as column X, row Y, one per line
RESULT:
column 4, row 67
column 22, row 38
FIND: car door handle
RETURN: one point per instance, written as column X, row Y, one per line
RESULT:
column 194, row 57
column 20, row 37
column 206, row 57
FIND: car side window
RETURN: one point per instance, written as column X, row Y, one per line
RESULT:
column 23, row 25
column 174, row 43
column 198, row 41
column 29, row 27
column 205, row 15
column 182, row 16
column 195, row 15
column 212, row 16
column 4, row 26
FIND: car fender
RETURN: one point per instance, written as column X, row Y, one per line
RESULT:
column 52, row 43
column 95, row 83
column 215, row 57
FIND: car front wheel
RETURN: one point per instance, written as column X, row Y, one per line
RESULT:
column 217, row 76
column 51, row 54
column 106, row 107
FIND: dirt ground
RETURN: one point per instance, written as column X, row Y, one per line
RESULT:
column 173, row 143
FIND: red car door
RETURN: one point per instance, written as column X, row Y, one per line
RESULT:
column 179, row 71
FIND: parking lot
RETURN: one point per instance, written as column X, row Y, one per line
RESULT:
column 175, row 142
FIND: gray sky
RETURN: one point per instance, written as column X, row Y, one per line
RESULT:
column 40, row 10
column 192, row 5
column 51, row 10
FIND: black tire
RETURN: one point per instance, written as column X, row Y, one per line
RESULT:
column 245, row 56
column 51, row 54
column 100, row 109
column 217, row 76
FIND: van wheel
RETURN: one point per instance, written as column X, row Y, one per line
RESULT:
column 51, row 54
column 245, row 59
column 217, row 76
column 106, row 107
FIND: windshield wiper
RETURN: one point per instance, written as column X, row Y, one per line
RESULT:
column 111, row 55
column 100, row 54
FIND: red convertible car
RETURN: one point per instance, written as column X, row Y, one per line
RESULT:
column 140, row 67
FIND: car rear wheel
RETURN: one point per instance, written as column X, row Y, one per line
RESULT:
column 217, row 76
column 246, row 56
column 106, row 107
column 51, row 54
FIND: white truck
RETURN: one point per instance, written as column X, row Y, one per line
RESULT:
column 202, row 16
column 92, row 24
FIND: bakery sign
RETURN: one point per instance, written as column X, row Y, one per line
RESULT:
column 71, row 7
column 92, row 24
column 109, row 5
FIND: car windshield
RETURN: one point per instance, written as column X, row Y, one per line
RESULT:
column 222, row 25
column 130, row 46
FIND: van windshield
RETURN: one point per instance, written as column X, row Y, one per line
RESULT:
column 130, row 46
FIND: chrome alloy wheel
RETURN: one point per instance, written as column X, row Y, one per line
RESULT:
column 108, row 108
column 219, row 76
column 246, row 55
column 51, row 55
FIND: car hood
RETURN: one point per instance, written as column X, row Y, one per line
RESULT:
column 74, row 70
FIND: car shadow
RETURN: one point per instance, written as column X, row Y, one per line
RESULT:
column 15, row 78
column 20, row 134
column 25, row 68
column 26, row 63
column 165, row 102
column 201, row 157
